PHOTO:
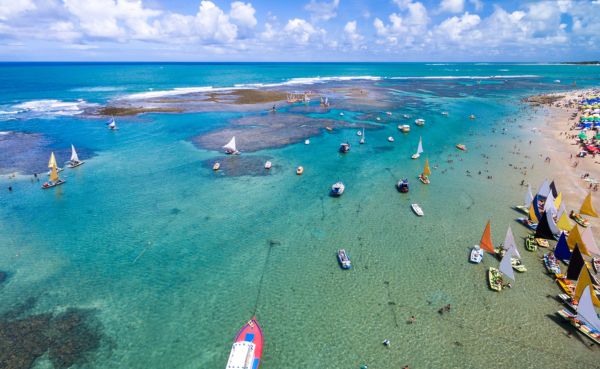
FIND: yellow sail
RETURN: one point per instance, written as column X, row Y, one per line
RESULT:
column 52, row 161
column 532, row 214
column 564, row 224
column 583, row 281
column 575, row 239
column 53, row 174
column 587, row 208
column 426, row 170
column 558, row 200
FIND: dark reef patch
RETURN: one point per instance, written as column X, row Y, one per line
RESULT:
column 69, row 338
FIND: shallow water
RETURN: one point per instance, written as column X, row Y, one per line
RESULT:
column 174, row 258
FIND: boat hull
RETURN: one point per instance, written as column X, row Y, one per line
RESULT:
column 476, row 255
column 495, row 279
column 53, row 184
column 75, row 165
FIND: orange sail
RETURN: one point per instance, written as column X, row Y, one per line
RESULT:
column 584, row 281
column 486, row 240
column 426, row 170
column 587, row 208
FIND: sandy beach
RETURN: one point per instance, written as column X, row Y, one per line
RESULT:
column 557, row 142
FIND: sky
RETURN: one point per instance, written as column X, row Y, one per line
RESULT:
column 301, row 30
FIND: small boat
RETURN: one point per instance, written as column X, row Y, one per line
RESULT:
column 472, row 116
column 329, row 129
column 307, row 142
column 341, row 114
column 378, row 119
column 74, row 162
column 344, row 147
column 476, row 255
column 542, row 242
column 530, row 243
column 405, row 116
column 557, row 81
column 268, row 165
column 388, row 113
column 417, row 209
column 445, row 113
column 299, row 170
column 391, row 139
column 337, row 189
column 579, row 219
column 362, row 139
column 495, row 279
column 419, row 149
column 424, row 177
column 112, row 124
column 247, row 348
column 402, row 185
column 359, row 133
column 461, row 147
column 230, row 148
column 527, row 202
column 596, row 264
column 54, row 179
column 566, row 285
column 518, row 265
column 217, row 166
column 405, row 128
column 420, row 122
column 586, row 320
column 528, row 223
column 343, row 259
column 52, row 163
column 551, row 264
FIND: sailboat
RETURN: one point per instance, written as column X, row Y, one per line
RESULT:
column 362, row 139
column 509, row 242
column 419, row 149
column 54, row 179
column 527, row 201
column 112, row 124
column 495, row 275
column 74, row 162
column 587, row 209
column 424, row 177
column 586, row 320
column 52, row 163
column 230, row 147
column 485, row 244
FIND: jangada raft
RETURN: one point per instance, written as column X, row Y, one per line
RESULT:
column 246, row 351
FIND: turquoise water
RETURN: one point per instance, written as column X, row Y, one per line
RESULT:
column 170, row 256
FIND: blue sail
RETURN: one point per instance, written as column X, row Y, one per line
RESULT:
column 536, row 209
column 561, row 251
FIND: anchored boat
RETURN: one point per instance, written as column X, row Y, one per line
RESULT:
column 343, row 259
column 54, row 179
column 230, row 148
column 402, row 185
column 344, row 147
column 247, row 348
column 424, row 177
column 337, row 189
column 74, row 162
column 419, row 149
column 416, row 208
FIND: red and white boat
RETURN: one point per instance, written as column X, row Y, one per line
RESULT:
column 246, row 351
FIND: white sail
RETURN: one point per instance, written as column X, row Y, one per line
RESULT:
column 74, row 157
column 420, row 147
column 561, row 210
column 509, row 242
column 506, row 264
column 230, row 147
column 552, row 223
column 590, row 243
column 549, row 206
column 544, row 189
column 586, row 311
column 528, row 197
column 112, row 124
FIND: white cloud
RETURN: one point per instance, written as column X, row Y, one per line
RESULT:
column 322, row 11
column 242, row 14
column 477, row 4
column 352, row 36
column 452, row 6
column 406, row 28
column 300, row 30
column 11, row 8
column 454, row 28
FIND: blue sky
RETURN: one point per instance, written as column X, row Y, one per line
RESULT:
column 306, row 30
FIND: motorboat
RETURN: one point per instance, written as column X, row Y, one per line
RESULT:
column 341, row 114
column 472, row 116
column 461, row 147
column 404, row 128
column 337, row 189
column 405, row 116
column 344, row 147
column 343, row 259
column 390, row 139
column 329, row 129
column 417, row 209
column 378, row 119
column 388, row 113
column 359, row 133
column 402, row 185
column 246, row 351
column 307, row 142
column 268, row 165
column 445, row 113
column 476, row 255
column 217, row 166
column 420, row 122
column 299, row 170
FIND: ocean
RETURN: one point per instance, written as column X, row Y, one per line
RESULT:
column 164, row 260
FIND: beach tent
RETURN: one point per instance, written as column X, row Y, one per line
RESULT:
column 575, row 264
column 561, row 251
